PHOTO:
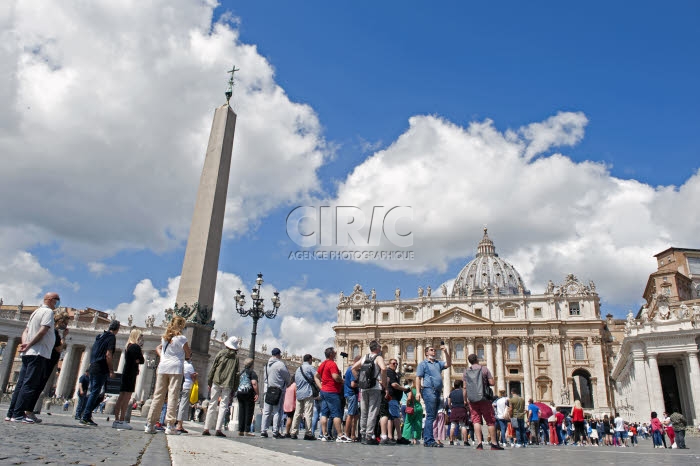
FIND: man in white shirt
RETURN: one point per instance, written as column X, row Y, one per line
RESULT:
column 37, row 342
column 620, row 430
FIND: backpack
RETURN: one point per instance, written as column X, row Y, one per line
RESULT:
column 477, row 388
column 244, row 384
column 367, row 378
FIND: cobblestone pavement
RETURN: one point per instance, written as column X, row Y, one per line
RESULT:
column 60, row 440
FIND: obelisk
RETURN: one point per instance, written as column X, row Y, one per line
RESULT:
column 201, row 262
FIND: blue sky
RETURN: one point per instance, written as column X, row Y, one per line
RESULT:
column 122, row 130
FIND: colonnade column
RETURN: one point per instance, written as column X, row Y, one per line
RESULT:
column 65, row 374
column 500, row 366
column 489, row 354
column 8, row 358
column 420, row 351
column 655, row 389
column 527, row 385
column 694, row 372
column 122, row 362
column 558, row 375
column 641, row 398
column 397, row 350
column 84, row 364
column 470, row 346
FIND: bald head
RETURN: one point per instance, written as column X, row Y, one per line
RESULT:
column 52, row 300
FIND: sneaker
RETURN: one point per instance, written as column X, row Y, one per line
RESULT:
column 403, row 441
column 480, row 446
column 496, row 447
column 35, row 420
column 287, row 436
column 431, row 445
column 309, row 437
column 17, row 419
column 8, row 418
column 116, row 425
column 27, row 420
column 320, row 437
column 171, row 431
column 325, row 438
column 205, row 432
column 149, row 429
column 219, row 434
column 452, row 443
column 263, row 434
column 277, row 435
column 159, row 428
column 182, row 431
column 88, row 422
column 372, row 441
column 294, row 437
column 343, row 439
column 387, row 441
column 126, row 426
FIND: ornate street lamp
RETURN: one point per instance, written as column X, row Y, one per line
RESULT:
column 258, row 309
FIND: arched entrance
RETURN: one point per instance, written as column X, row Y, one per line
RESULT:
column 583, row 388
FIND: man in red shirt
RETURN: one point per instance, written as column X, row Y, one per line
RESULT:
column 330, row 382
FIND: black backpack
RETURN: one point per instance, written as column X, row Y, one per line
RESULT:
column 367, row 378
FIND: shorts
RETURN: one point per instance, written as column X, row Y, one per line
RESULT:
column 353, row 406
column 289, row 413
column 459, row 415
column 330, row 406
column 482, row 408
column 384, row 407
column 394, row 410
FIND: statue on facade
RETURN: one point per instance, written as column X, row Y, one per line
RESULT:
column 196, row 314
column 645, row 313
column 565, row 400
column 130, row 320
column 224, row 336
column 216, row 332
column 341, row 297
column 264, row 348
column 1, row 301
column 420, row 291
column 150, row 321
column 629, row 323
column 664, row 312
column 591, row 286
column 683, row 311
column 696, row 315
column 443, row 288
column 168, row 316
column 550, row 287
column 374, row 294
column 429, row 291
column 397, row 293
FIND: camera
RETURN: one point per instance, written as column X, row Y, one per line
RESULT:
column 344, row 354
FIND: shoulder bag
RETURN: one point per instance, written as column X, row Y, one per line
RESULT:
column 273, row 394
column 315, row 392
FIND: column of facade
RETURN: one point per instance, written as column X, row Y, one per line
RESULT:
column 527, row 384
column 470, row 346
column 420, row 351
column 557, row 365
column 500, row 366
column 489, row 354
column 641, row 395
column 143, row 369
column 397, row 350
column 8, row 358
column 694, row 372
column 65, row 374
column 655, row 389
column 447, row 373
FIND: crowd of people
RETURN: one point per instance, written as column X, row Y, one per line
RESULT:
column 367, row 404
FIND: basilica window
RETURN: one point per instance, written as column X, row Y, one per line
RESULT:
column 538, row 312
column 385, row 316
column 509, row 312
column 436, row 312
column 408, row 314
column 357, row 314
column 355, row 351
column 480, row 352
column 512, row 352
column 477, row 312
column 459, row 351
column 579, row 352
column 410, row 352
column 574, row 309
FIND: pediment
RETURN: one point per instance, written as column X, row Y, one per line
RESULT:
column 457, row 316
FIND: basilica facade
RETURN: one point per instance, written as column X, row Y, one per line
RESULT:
column 553, row 347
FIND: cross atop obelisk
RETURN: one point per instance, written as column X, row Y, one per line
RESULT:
column 229, row 90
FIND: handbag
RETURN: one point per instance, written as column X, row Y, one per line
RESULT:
column 194, row 393
column 272, row 394
column 410, row 410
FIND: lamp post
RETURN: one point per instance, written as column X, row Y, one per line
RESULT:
column 257, row 311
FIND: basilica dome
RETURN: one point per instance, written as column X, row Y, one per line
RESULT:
column 488, row 274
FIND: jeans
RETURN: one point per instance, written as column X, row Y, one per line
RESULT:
column 32, row 384
column 680, row 439
column 317, row 415
column 519, row 428
column 97, row 381
column 560, row 434
column 503, row 425
column 431, row 398
column 274, row 412
column 657, row 438
column 184, row 406
column 82, row 399
column 369, row 412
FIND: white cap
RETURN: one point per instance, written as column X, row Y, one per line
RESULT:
column 232, row 343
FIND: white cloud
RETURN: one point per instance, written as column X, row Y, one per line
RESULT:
column 304, row 323
column 549, row 216
column 107, row 110
column 100, row 268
